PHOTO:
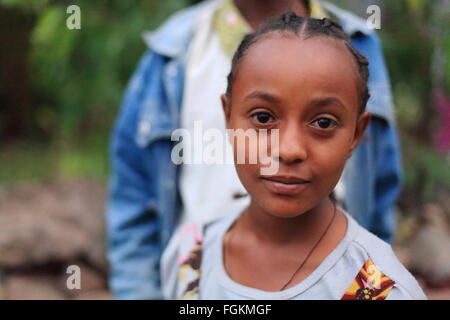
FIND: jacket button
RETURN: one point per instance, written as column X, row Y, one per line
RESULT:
column 144, row 128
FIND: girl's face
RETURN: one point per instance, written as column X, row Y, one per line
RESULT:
column 308, row 89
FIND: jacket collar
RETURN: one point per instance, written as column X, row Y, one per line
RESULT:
column 351, row 23
column 172, row 38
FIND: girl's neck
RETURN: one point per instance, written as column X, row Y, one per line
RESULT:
column 275, row 230
column 256, row 12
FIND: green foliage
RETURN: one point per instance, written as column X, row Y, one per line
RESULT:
column 35, row 6
column 414, row 32
column 38, row 162
column 425, row 173
column 80, row 77
column 82, row 73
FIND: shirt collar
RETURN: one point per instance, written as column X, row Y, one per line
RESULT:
column 231, row 26
column 172, row 38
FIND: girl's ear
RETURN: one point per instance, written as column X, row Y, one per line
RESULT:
column 226, row 106
column 361, row 126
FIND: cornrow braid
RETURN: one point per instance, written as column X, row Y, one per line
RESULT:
column 290, row 23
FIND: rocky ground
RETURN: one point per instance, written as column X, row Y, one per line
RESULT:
column 44, row 229
column 47, row 227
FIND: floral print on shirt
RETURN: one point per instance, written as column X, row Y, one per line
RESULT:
column 369, row 284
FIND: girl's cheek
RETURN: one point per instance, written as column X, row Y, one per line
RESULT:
column 248, row 175
column 250, row 146
column 328, row 159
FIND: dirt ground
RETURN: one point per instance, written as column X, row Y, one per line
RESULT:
column 46, row 227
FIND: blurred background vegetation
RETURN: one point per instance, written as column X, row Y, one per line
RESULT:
column 60, row 89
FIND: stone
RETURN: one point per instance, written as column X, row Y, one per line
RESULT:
column 20, row 287
column 429, row 248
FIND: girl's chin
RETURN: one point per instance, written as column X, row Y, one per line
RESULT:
column 283, row 210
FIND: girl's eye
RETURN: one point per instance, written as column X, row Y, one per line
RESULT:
column 324, row 123
column 262, row 117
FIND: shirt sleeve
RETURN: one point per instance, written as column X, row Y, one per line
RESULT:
column 382, row 131
column 181, row 262
column 132, row 220
column 387, row 178
column 398, row 292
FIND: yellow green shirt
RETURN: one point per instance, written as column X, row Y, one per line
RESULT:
column 231, row 26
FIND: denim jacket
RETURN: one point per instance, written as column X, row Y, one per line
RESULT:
column 144, row 201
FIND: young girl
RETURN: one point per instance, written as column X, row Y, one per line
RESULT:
column 302, row 77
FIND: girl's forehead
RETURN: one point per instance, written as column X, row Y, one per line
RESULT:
column 290, row 65
column 295, row 53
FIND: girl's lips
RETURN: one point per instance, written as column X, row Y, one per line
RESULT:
column 285, row 187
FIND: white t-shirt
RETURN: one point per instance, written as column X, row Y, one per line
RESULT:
column 339, row 275
column 207, row 189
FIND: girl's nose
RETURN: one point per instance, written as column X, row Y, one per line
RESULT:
column 292, row 147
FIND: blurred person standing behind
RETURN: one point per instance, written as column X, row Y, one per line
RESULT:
column 176, row 84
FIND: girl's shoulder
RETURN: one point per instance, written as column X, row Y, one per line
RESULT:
column 180, row 262
column 378, row 267
column 182, row 258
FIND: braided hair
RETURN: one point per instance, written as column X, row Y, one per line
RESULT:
column 305, row 28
